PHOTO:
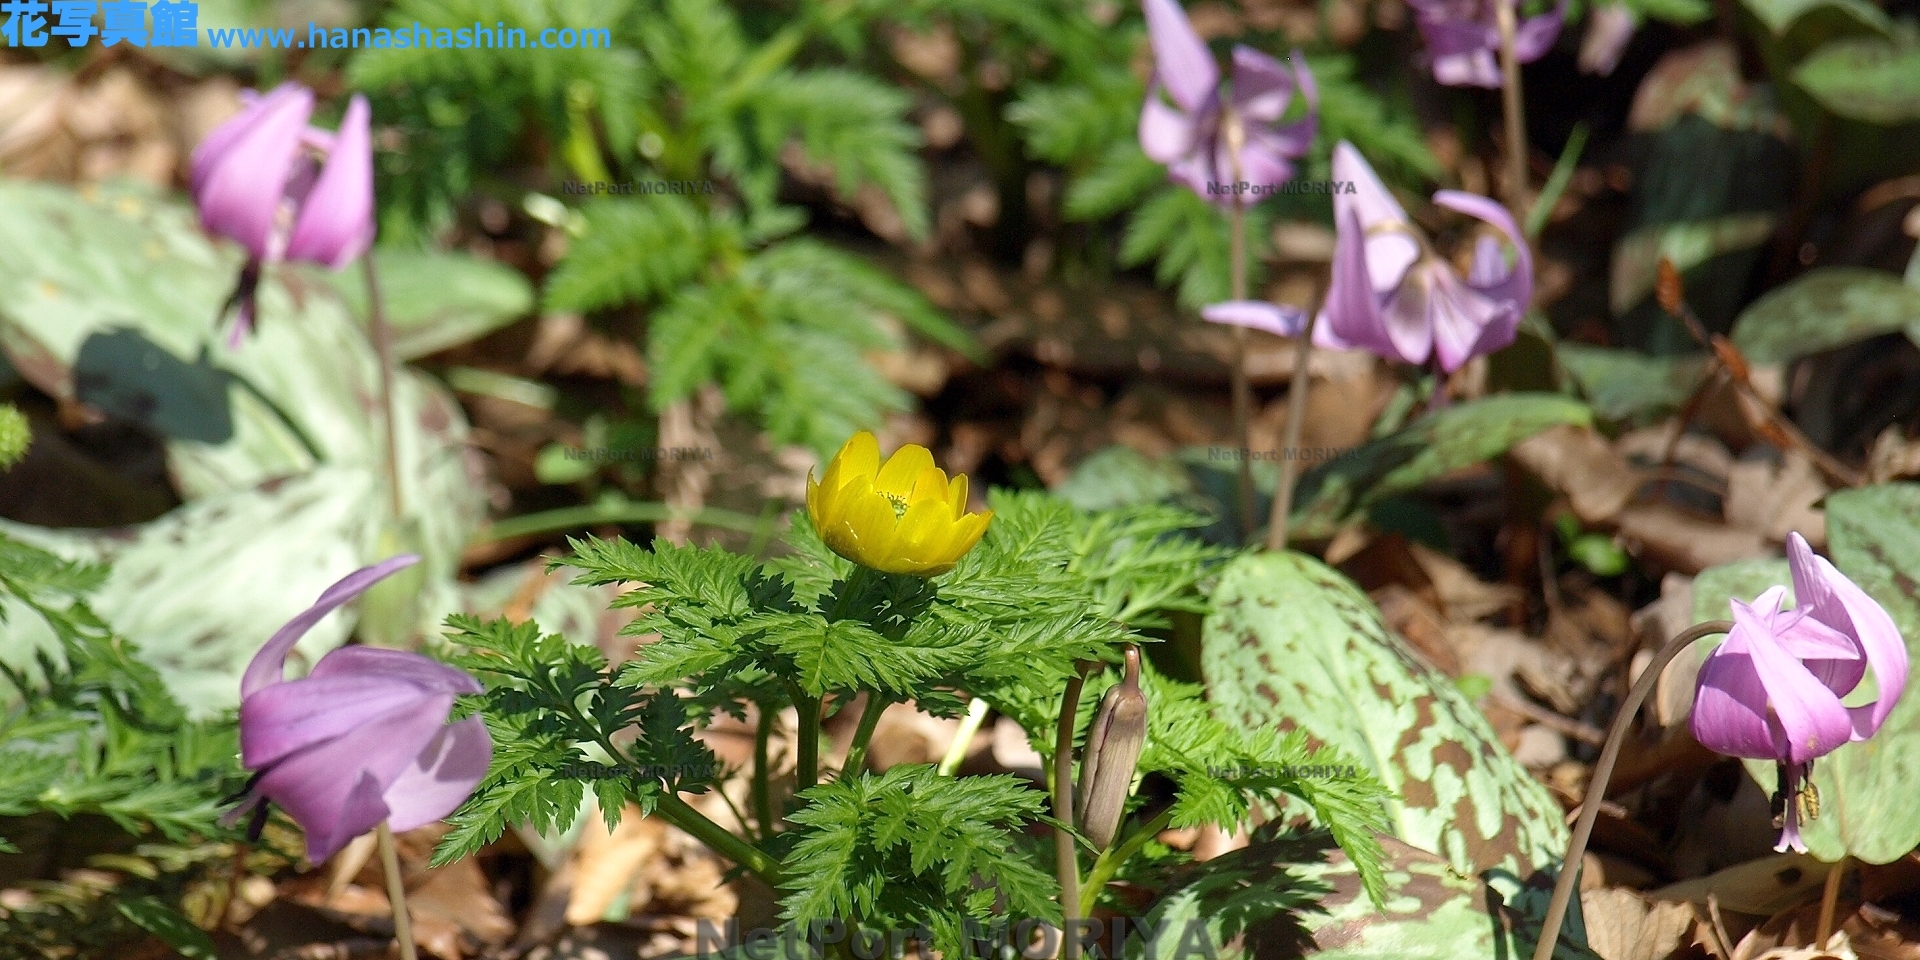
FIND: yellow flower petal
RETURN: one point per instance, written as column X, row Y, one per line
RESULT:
column 957, row 495
column 905, row 516
column 930, row 485
column 859, row 458
column 902, row 469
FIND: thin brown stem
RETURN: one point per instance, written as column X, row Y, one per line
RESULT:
column 396, row 892
column 1290, row 440
column 383, row 348
column 1829, row 900
column 1602, row 770
column 1511, row 103
column 1771, row 424
column 1066, row 857
column 1242, row 389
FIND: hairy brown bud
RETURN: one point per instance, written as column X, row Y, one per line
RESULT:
column 1112, row 755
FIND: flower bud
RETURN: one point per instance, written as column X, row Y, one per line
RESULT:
column 1112, row 755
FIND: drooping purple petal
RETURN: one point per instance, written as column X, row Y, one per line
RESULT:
column 323, row 787
column 1807, row 719
column 423, row 672
column 441, row 777
column 219, row 141
column 1516, row 286
column 1278, row 319
column 1534, row 36
column 240, row 175
column 1730, row 705
column 1477, row 68
column 1166, row 133
column 269, row 665
column 1830, row 598
column 1352, row 315
column 1433, row 303
column 335, row 223
column 284, row 718
column 1264, row 164
column 1181, row 60
column 1262, row 86
column 1383, row 226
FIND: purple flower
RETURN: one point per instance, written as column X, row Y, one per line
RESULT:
column 1772, row 690
column 1609, row 29
column 1392, row 295
column 259, row 179
column 1194, row 134
column 361, row 739
column 1463, row 38
column 1278, row 319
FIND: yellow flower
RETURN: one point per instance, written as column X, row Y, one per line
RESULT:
column 905, row 517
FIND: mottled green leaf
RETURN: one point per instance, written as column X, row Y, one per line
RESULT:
column 1866, row 788
column 201, row 588
column 1740, row 580
column 1827, row 308
column 77, row 265
column 1339, row 491
column 1626, row 384
column 437, row 300
column 1297, row 896
column 1864, row 79
column 163, row 921
column 1120, row 476
column 1293, row 644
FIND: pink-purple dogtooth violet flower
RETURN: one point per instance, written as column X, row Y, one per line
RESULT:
column 1196, row 133
column 1391, row 294
column 1773, row 689
column 284, row 190
column 1463, row 38
column 362, row 738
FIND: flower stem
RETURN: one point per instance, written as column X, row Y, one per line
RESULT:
column 1602, row 771
column 807, row 766
column 1511, row 101
column 676, row 811
column 1290, row 442
column 1829, row 900
column 383, row 346
column 1242, row 390
column 669, row 807
column 1116, row 856
column 869, row 719
column 396, row 892
column 1067, row 859
column 963, row 737
column 763, row 772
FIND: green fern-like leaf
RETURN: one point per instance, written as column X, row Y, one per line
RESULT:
column 904, row 849
column 634, row 250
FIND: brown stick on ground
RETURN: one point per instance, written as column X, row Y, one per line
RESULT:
column 1772, row 424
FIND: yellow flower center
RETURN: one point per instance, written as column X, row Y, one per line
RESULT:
column 899, row 504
